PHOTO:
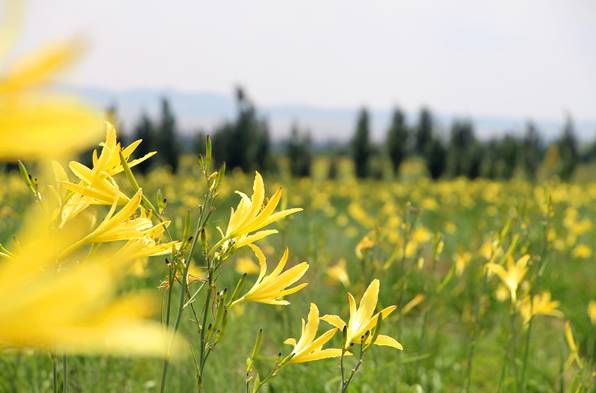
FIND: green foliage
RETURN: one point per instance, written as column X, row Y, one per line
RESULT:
column 145, row 130
column 435, row 158
column 299, row 152
column 166, row 137
column 244, row 142
column 397, row 139
column 361, row 149
column 568, row 150
column 424, row 131
column 531, row 151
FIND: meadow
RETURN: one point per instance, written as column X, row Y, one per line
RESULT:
column 433, row 246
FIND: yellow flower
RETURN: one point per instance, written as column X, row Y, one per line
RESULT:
column 246, row 266
column 251, row 215
column 573, row 351
column 462, row 259
column 541, row 305
column 309, row 349
column 71, row 306
column 338, row 272
column 514, row 274
column 96, row 183
column 270, row 289
column 582, row 251
column 36, row 124
column 412, row 304
column 362, row 320
column 365, row 244
column 592, row 311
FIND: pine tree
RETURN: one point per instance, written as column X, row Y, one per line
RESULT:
column 145, row 130
column 424, row 131
column 531, row 151
column 397, row 139
column 361, row 149
column 568, row 150
column 435, row 158
column 299, row 152
column 166, row 137
column 463, row 158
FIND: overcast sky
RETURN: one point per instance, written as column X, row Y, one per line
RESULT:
column 530, row 58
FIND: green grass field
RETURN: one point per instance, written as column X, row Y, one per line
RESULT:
column 422, row 238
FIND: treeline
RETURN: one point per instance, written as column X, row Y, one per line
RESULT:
column 244, row 142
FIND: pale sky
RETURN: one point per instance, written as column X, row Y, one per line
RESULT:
column 530, row 58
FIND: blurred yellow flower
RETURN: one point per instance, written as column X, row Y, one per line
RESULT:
column 416, row 300
column 246, row 266
column 542, row 304
column 270, row 289
column 309, row 349
column 592, row 311
column 513, row 276
column 573, row 350
column 71, row 306
column 339, row 273
column 363, row 319
column 36, row 124
column 582, row 251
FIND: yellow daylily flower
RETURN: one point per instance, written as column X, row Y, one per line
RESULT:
column 592, row 311
column 338, row 272
column 542, row 304
column 513, row 276
column 309, row 349
column 117, row 226
column 270, row 289
column 149, row 245
column 252, row 215
column 74, row 308
column 96, row 183
column 363, row 319
column 573, row 350
column 36, row 124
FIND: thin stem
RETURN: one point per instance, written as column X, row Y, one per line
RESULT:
column 65, row 373
column 345, row 384
column 54, row 374
column 202, row 349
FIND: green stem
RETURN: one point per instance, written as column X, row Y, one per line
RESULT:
column 202, row 354
column 54, row 374
column 65, row 372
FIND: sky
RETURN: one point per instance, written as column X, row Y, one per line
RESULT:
column 526, row 58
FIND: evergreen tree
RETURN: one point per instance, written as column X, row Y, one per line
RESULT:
column 531, row 151
column 199, row 142
column 299, row 152
column 244, row 143
column 424, row 131
column 508, row 153
column 568, row 150
column 397, row 139
column 435, row 158
column 145, row 130
column 166, row 137
column 361, row 149
column 463, row 158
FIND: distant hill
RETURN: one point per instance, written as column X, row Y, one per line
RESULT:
column 205, row 110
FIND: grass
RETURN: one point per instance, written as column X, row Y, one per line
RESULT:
column 436, row 335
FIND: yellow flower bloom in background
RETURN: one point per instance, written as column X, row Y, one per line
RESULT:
column 363, row 319
column 592, row 311
column 252, row 214
column 246, row 266
column 364, row 245
column 416, row 300
column 542, row 304
column 309, row 349
column 573, row 350
column 339, row 273
column 462, row 259
column 582, row 251
column 270, row 289
column 33, row 122
column 71, row 306
column 513, row 276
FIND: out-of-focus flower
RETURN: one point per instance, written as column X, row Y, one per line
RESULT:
column 592, row 311
column 339, row 273
column 364, row 245
column 35, row 123
column 363, row 319
column 247, row 266
column 542, row 304
column 270, row 289
column 513, row 276
column 573, row 350
column 309, row 349
column 462, row 259
column 416, row 300
column 582, row 251
column 73, row 308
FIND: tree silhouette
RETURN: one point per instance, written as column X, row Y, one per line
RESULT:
column 397, row 139
column 361, row 149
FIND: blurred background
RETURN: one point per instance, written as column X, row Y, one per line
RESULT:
column 379, row 89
